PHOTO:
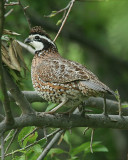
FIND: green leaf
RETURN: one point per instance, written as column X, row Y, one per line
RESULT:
column 42, row 142
column 59, row 22
column 124, row 105
column 54, row 11
column 32, row 138
column 34, row 152
column 23, row 133
column 57, row 151
column 52, row 14
column 37, row 148
column 66, row 138
column 80, row 148
column 50, row 106
column 85, row 147
column 19, row 158
column 117, row 95
column 74, row 158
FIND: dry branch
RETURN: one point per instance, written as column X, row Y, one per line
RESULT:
column 66, row 122
column 17, row 95
column 112, row 106
column 62, row 25
column 3, row 90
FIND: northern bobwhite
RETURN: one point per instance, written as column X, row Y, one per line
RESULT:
column 57, row 79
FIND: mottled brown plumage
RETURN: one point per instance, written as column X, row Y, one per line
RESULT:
column 57, row 79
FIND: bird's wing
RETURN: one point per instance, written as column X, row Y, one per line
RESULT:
column 64, row 71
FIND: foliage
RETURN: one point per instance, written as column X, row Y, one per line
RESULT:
column 94, row 34
column 31, row 148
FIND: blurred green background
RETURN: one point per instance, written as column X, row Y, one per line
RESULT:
column 95, row 35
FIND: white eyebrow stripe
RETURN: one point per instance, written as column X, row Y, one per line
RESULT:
column 44, row 37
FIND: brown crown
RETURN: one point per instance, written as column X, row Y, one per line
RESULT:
column 39, row 30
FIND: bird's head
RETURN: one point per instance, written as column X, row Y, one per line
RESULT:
column 39, row 39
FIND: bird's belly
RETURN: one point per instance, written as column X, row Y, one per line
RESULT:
column 56, row 92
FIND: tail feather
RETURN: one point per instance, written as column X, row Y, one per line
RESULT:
column 98, row 87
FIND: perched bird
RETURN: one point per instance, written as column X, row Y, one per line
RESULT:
column 59, row 80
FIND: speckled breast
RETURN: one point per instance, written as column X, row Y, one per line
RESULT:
column 55, row 92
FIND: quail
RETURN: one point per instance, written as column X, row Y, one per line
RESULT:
column 59, row 80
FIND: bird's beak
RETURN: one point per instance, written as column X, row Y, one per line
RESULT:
column 27, row 40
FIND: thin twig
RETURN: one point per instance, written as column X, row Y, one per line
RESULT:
column 2, row 147
column 11, row 141
column 8, row 135
column 24, row 10
column 62, row 25
column 60, row 140
column 92, row 134
column 29, row 134
column 11, row 4
column 61, row 20
column 30, row 145
column 86, row 129
column 9, row 12
column 45, row 133
column 61, row 10
column 51, row 143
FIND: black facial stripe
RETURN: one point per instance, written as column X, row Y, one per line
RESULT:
column 45, row 43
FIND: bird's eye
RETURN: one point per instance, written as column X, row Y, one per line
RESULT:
column 37, row 37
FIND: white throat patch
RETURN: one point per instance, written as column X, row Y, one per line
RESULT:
column 39, row 45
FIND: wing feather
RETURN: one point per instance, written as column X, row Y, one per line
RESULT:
column 63, row 71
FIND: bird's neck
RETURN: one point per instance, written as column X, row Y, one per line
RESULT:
column 52, row 51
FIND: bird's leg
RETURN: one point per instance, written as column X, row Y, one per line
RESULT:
column 117, row 96
column 105, row 107
column 120, row 112
column 57, row 107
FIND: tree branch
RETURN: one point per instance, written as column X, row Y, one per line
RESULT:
column 8, row 13
column 112, row 106
column 11, row 141
column 25, row 14
column 50, row 145
column 66, row 122
column 4, row 95
column 12, row 4
column 18, row 95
